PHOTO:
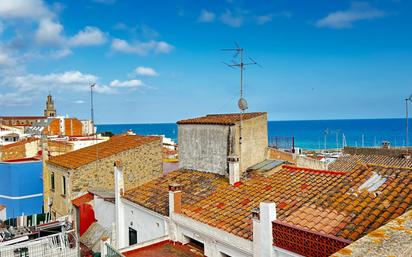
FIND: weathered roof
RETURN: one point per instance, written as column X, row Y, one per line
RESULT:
column 392, row 239
column 348, row 162
column 221, row 119
column 86, row 155
column 346, row 205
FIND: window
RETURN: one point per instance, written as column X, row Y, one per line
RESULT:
column 132, row 236
column 63, row 185
column 197, row 245
column 52, row 181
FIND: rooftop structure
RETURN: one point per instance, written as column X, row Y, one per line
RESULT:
column 212, row 143
column 72, row 174
column 116, row 144
column 221, row 119
column 328, row 205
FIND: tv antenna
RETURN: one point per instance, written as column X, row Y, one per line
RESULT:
column 242, row 103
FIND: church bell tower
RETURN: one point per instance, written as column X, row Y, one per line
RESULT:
column 50, row 111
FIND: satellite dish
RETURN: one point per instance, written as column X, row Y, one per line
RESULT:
column 242, row 104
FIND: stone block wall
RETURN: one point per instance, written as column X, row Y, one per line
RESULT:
column 140, row 165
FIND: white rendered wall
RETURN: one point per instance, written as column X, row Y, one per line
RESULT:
column 104, row 212
column 149, row 225
column 3, row 214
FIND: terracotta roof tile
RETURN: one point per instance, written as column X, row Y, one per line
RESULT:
column 116, row 144
column 349, row 162
column 21, row 142
column 332, row 205
column 221, row 119
column 83, row 199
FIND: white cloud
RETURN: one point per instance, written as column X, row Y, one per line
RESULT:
column 14, row 99
column 65, row 81
column 5, row 59
column 24, row 9
column 49, row 33
column 146, row 71
column 61, row 53
column 206, row 16
column 231, row 19
column 345, row 19
column 127, row 83
column 141, row 48
column 88, row 37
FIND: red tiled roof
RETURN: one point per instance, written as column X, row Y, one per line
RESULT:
column 83, row 199
column 21, row 142
column 331, row 203
column 349, row 162
column 22, row 117
column 116, row 144
column 164, row 249
column 221, row 119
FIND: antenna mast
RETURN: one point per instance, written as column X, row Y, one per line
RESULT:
column 242, row 103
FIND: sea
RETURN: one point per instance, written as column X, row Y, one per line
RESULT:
column 307, row 134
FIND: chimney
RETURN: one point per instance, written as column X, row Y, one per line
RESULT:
column 262, row 229
column 175, row 199
column 120, row 217
column 234, row 172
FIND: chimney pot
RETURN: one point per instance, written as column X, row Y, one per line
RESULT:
column 175, row 187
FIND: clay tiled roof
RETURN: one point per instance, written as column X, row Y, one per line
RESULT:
column 21, row 142
column 116, row 144
column 221, row 119
column 349, row 162
column 83, row 199
column 165, row 249
column 333, row 203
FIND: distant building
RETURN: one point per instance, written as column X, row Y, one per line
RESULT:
column 21, row 121
column 62, row 126
column 209, row 143
column 26, row 148
column 69, row 175
column 3, row 212
column 50, row 110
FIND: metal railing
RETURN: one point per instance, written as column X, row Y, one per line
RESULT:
column 111, row 252
column 64, row 244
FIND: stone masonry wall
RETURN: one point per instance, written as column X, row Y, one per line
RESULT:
column 140, row 165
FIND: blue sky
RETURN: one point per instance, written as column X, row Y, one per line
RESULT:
column 160, row 61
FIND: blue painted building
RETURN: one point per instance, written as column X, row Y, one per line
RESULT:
column 21, row 187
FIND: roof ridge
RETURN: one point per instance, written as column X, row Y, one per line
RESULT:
column 387, row 166
column 329, row 172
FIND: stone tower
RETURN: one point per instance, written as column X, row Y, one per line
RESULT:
column 50, row 111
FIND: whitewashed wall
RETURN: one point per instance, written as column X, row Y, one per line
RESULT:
column 148, row 224
column 104, row 212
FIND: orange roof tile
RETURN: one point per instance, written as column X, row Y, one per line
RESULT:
column 2, row 207
column 331, row 203
column 221, row 119
column 83, row 199
column 349, row 162
column 21, row 142
column 116, row 144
